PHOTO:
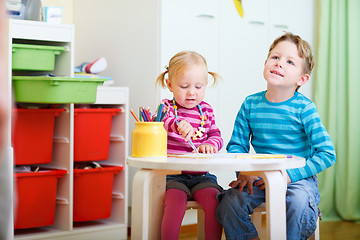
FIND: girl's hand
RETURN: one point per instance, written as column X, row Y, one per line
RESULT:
column 185, row 129
column 207, row 148
column 244, row 180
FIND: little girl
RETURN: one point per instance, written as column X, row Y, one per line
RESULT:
column 189, row 118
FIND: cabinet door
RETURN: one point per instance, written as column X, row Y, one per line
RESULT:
column 296, row 17
column 190, row 25
column 243, row 50
column 292, row 16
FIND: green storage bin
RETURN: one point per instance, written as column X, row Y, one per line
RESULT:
column 45, row 89
column 34, row 57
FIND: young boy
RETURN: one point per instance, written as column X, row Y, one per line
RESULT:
column 279, row 120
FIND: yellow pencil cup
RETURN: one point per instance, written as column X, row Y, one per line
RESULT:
column 148, row 139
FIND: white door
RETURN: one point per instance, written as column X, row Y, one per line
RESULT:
column 190, row 25
column 243, row 50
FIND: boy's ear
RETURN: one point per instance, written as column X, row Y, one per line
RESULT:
column 168, row 83
column 303, row 80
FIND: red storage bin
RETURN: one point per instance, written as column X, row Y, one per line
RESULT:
column 93, row 193
column 36, row 198
column 92, row 129
column 32, row 138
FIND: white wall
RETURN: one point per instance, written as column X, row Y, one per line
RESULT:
column 108, row 29
column 120, row 31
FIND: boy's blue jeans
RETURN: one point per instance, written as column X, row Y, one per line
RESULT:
column 302, row 199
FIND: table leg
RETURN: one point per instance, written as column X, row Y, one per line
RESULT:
column 275, row 204
column 148, row 193
column 275, row 185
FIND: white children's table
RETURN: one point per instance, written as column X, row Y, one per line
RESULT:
column 149, row 186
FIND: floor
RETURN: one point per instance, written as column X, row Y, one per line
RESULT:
column 328, row 230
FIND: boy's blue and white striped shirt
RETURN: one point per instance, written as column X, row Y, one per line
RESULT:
column 292, row 127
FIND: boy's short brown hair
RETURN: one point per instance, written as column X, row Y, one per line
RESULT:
column 303, row 48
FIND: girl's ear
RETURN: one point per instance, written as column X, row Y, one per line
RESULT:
column 303, row 80
column 168, row 83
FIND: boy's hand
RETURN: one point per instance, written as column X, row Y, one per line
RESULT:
column 244, row 180
column 207, row 148
column 288, row 178
column 260, row 183
column 185, row 129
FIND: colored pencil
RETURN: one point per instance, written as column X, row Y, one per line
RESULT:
column 163, row 114
column 136, row 118
column 193, row 146
column 141, row 120
column 144, row 115
column 160, row 110
column 258, row 156
column 190, row 142
column 148, row 115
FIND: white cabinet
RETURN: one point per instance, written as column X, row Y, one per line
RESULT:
column 244, row 44
column 190, row 25
column 114, row 227
column 293, row 16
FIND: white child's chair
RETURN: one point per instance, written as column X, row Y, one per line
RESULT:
column 200, row 218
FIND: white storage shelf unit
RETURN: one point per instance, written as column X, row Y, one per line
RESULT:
column 115, row 227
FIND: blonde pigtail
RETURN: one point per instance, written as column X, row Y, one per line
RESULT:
column 161, row 79
column 216, row 78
